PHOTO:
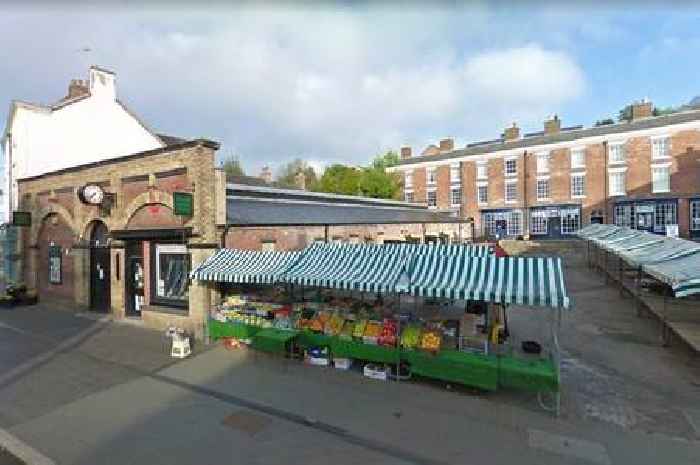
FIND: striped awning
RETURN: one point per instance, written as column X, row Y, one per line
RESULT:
column 245, row 266
column 379, row 272
column 682, row 274
column 472, row 250
column 510, row 280
column 327, row 265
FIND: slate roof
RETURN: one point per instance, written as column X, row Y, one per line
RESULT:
column 563, row 136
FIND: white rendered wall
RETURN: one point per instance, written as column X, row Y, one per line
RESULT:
column 93, row 129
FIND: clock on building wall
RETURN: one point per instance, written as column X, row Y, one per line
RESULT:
column 91, row 194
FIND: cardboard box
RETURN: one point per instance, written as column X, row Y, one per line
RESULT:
column 342, row 363
column 375, row 371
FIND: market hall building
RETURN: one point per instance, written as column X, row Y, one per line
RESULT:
column 106, row 236
column 643, row 173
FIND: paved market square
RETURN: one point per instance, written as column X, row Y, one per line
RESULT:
column 79, row 389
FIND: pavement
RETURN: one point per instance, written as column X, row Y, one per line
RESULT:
column 85, row 390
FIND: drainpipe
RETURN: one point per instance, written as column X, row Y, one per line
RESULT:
column 606, row 196
column 9, row 178
column 526, row 213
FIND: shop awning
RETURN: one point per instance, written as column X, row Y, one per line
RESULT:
column 472, row 250
column 682, row 274
column 326, row 265
column 245, row 266
column 510, row 280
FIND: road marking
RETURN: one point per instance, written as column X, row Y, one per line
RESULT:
column 12, row 328
column 22, row 450
column 564, row 445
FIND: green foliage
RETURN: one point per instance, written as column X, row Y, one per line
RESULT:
column 390, row 158
column 286, row 178
column 232, row 166
column 665, row 111
column 603, row 122
column 625, row 114
column 375, row 182
column 340, row 179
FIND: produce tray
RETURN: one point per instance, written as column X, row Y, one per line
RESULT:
column 372, row 353
column 308, row 339
column 273, row 340
column 531, row 375
column 473, row 370
column 219, row 329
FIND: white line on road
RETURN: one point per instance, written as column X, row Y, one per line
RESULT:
column 23, row 451
column 568, row 446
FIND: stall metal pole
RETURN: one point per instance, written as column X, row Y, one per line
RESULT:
column 638, row 290
column 665, row 330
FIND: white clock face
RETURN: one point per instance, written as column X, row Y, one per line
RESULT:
column 93, row 194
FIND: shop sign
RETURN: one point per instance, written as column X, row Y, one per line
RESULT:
column 183, row 203
column 55, row 264
column 22, row 219
column 644, row 208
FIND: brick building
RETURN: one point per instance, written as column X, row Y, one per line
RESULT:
column 129, row 254
column 643, row 172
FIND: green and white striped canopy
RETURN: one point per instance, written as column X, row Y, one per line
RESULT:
column 509, row 280
column 326, row 265
column 472, row 250
column 245, row 266
column 379, row 272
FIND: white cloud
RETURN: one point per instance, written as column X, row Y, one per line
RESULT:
column 326, row 85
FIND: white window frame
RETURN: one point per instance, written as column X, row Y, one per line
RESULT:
column 406, row 196
column 582, row 195
column 542, row 162
column 654, row 170
column 655, row 141
column 427, row 198
column 578, row 158
column 509, row 183
column 482, row 170
column 159, row 290
column 540, row 198
column 268, row 246
column 617, row 147
column 455, row 173
column 564, row 216
column 454, row 189
column 539, row 218
column 478, row 193
column 615, row 172
column 511, row 161
column 431, row 175
column 408, row 180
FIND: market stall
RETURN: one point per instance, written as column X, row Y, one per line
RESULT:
column 438, row 311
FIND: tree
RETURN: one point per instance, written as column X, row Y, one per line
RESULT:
column 604, row 122
column 286, row 177
column 375, row 182
column 390, row 158
column 625, row 114
column 232, row 166
column 340, row 179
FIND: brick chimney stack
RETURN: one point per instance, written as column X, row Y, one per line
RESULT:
column 642, row 109
column 405, row 152
column 447, row 144
column 511, row 133
column 552, row 126
column 300, row 180
column 266, row 174
column 77, row 88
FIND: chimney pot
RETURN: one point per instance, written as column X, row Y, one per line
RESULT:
column 77, row 88
column 405, row 152
column 642, row 109
column 552, row 126
column 266, row 174
column 512, row 133
column 447, row 144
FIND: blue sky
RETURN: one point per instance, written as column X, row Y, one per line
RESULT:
column 342, row 82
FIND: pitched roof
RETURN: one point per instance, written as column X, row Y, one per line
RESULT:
column 563, row 136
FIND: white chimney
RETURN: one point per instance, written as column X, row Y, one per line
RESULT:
column 102, row 83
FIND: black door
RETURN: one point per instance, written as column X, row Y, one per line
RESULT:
column 554, row 226
column 100, row 278
column 134, row 278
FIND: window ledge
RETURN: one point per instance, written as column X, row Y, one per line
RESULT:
column 622, row 162
column 511, row 202
column 580, row 167
column 617, row 195
column 579, row 196
column 661, row 192
column 165, row 309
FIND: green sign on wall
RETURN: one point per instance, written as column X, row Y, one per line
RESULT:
column 21, row 218
column 183, row 203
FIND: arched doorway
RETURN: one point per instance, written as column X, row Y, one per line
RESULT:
column 100, row 267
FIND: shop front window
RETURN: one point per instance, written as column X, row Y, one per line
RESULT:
column 570, row 220
column 624, row 215
column 171, row 270
column 695, row 215
column 664, row 214
column 538, row 222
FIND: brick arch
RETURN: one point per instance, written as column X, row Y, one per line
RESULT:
column 44, row 213
column 62, row 234
column 144, row 199
column 89, row 222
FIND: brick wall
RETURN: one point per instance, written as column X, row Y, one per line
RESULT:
column 443, row 186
